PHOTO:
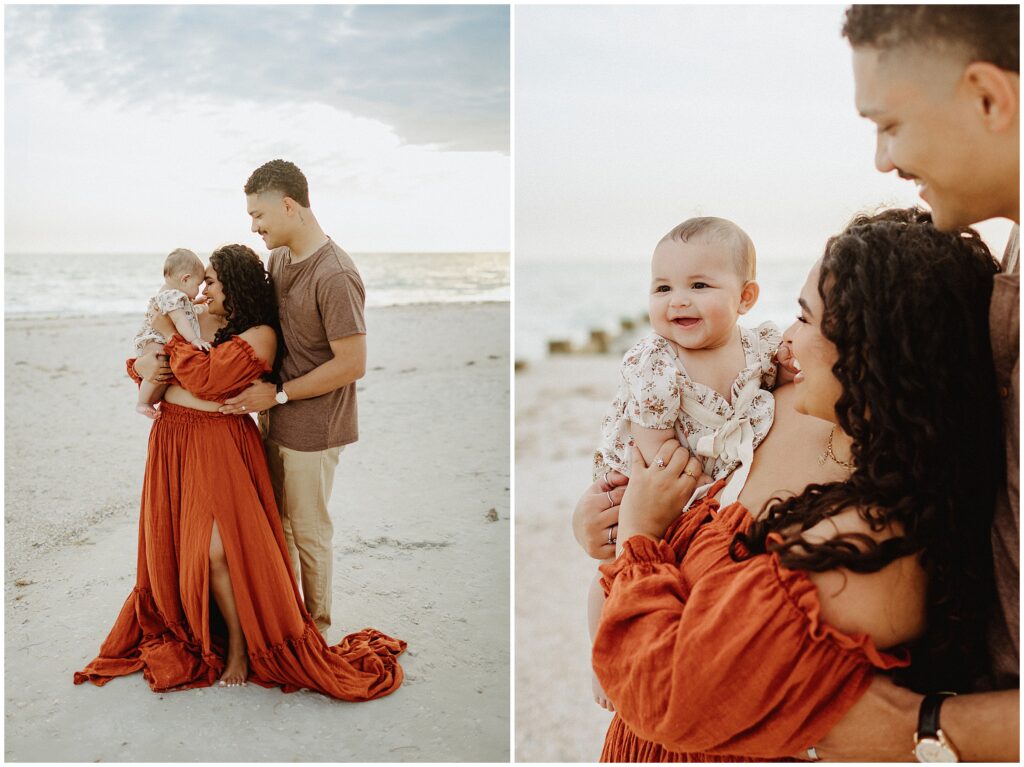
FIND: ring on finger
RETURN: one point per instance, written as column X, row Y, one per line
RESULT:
column 611, row 500
column 690, row 474
column 606, row 481
column 611, row 535
column 659, row 462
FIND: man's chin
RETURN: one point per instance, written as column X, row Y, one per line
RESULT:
column 948, row 218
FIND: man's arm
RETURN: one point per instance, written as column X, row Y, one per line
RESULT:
column 347, row 365
column 983, row 727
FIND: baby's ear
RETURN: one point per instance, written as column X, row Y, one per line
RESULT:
column 748, row 295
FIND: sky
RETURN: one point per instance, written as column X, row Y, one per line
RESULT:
column 134, row 128
column 628, row 120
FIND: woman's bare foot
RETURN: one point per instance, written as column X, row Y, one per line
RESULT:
column 599, row 697
column 148, row 410
column 236, row 670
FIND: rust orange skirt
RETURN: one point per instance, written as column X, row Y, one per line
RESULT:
column 206, row 467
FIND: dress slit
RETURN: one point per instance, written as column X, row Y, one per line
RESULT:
column 207, row 467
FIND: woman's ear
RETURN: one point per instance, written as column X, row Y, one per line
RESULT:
column 748, row 295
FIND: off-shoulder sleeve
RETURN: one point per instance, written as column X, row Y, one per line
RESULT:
column 218, row 374
column 649, row 373
column 740, row 663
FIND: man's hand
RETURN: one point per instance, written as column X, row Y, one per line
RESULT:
column 259, row 396
column 879, row 728
column 983, row 726
column 152, row 365
column 596, row 512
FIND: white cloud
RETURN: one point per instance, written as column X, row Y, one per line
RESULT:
column 98, row 177
column 438, row 74
column 110, row 152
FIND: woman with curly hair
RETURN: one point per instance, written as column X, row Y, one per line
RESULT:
column 860, row 543
column 209, row 524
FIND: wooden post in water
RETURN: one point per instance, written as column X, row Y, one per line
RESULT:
column 599, row 341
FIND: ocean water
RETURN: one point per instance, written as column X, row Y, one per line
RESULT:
column 75, row 285
column 567, row 300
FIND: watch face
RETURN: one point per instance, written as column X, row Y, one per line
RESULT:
column 931, row 750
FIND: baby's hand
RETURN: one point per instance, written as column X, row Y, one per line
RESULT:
column 784, row 359
column 201, row 299
column 201, row 345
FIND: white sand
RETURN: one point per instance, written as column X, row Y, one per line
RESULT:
column 415, row 553
column 559, row 406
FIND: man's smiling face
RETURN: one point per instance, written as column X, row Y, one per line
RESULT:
column 269, row 217
column 928, row 129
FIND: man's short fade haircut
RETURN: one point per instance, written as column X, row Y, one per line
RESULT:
column 281, row 176
column 989, row 33
column 182, row 261
column 713, row 229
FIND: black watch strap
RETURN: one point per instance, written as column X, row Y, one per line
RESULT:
column 280, row 387
column 928, row 717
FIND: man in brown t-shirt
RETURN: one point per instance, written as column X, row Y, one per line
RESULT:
column 311, row 416
column 942, row 85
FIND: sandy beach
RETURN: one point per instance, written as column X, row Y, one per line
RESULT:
column 421, row 513
column 560, row 402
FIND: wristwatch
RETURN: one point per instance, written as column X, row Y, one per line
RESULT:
column 930, row 743
column 282, row 395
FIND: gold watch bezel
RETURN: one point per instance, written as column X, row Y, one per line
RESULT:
column 939, row 740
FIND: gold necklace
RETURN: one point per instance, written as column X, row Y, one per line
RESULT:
column 829, row 453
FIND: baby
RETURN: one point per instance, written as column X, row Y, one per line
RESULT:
column 183, row 277
column 699, row 377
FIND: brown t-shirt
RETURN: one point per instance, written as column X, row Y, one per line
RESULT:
column 1004, row 325
column 319, row 299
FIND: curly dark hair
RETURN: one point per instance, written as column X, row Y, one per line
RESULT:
column 906, row 307
column 248, row 295
column 985, row 32
column 281, row 176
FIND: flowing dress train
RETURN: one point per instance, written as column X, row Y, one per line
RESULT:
column 204, row 468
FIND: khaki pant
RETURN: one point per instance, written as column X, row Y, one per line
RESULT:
column 302, row 487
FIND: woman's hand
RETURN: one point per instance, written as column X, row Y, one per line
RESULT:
column 596, row 514
column 152, row 365
column 657, row 494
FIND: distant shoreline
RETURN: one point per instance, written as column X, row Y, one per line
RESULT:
column 29, row 317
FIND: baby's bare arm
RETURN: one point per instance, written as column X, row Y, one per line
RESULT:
column 649, row 440
column 182, row 325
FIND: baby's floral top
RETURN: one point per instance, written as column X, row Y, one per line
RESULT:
column 165, row 302
column 654, row 385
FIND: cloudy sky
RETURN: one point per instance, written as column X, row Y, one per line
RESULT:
column 134, row 128
column 632, row 119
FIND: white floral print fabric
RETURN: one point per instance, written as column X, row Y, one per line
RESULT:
column 165, row 302
column 654, row 390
